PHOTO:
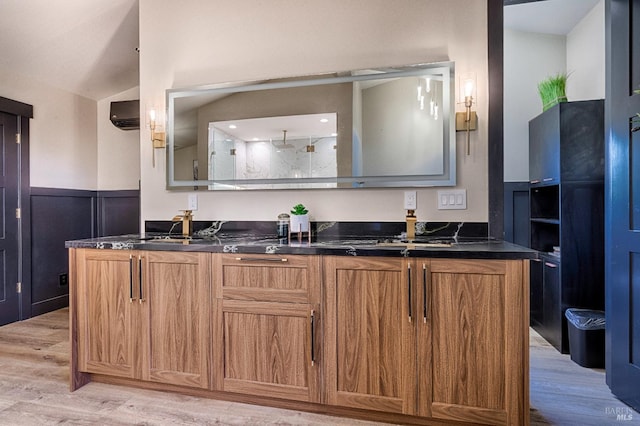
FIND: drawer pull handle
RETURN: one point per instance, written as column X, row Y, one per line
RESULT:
column 140, row 278
column 409, row 289
column 550, row 265
column 261, row 259
column 313, row 339
column 535, row 181
column 130, row 278
column 424, row 293
column 547, row 179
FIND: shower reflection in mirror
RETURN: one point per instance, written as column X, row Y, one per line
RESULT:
column 288, row 147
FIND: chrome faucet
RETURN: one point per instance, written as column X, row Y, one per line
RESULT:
column 411, row 225
column 187, row 222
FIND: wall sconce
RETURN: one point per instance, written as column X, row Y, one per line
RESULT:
column 468, row 120
column 157, row 138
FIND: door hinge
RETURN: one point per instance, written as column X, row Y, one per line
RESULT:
column 19, row 287
column 18, row 138
column 18, row 213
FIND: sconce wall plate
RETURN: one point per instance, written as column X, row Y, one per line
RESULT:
column 461, row 125
column 159, row 140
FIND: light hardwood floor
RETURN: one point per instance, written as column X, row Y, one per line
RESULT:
column 34, row 390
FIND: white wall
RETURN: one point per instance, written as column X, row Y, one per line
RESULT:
column 532, row 57
column 63, row 134
column 193, row 42
column 586, row 57
column 528, row 59
column 118, row 150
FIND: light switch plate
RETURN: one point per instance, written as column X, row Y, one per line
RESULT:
column 452, row 199
column 193, row 202
column 410, row 200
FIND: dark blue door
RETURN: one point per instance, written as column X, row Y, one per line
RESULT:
column 9, row 248
column 622, row 201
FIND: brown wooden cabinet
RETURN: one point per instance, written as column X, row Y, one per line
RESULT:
column 144, row 315
column 405, row 340
column 472, row 352
column 436, row 338
column 107, row 319
column 268, row 323
column 369, row 341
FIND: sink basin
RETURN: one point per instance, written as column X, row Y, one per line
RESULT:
column 170, row 238
column 413, row 244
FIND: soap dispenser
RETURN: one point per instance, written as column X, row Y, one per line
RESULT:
column 283, row 228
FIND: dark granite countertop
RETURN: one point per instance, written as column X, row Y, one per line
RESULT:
column 360, row 245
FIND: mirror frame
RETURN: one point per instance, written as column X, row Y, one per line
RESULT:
column 447, row 178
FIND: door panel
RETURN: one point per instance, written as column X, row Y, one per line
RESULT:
column 106, row 312
column 176, row 304
column 9, row 297
column 268, row 350
column 622, row 201
column 370, row 340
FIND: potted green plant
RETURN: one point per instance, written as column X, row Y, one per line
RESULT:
column 553, row 90
column 299, row 219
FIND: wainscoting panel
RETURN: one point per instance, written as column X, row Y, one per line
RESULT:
column 58, row 215
column 118, row 212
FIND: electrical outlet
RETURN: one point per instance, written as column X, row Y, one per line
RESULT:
column 193, row 202
column 410, row 200
column 63, row 280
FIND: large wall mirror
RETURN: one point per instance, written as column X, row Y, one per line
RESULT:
column 391, row 127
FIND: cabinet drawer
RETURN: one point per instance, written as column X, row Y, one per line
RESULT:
column 270, row 278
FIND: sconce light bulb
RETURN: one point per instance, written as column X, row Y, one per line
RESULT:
column 152, row 115
column 435, row 112
column 428, row 85
column 431, row 107
column 419, row 91
column 468, row 88
column 421, row 103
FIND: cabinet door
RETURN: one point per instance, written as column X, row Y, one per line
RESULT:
column 473, row 347
column 268, row 325
column 106, row 313
column 536, row 294
column 269, row 350
column 369, row 334
column 552, row 311
column 544, row 147
column 175, row 304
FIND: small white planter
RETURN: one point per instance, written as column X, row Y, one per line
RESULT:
column 299, row 223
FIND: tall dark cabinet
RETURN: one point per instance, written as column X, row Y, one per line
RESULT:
column 566, row 202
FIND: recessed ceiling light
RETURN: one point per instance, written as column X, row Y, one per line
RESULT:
column 233, row 126
column 324, row 120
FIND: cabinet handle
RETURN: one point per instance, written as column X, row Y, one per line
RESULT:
column 550, row 265
column 535, row 181
column 130, row 278
column 424, row 293
column 547, row 179
column 409, row 289
column 262, row 259
column 313, row 346
column 140, row 278
column 536, row 260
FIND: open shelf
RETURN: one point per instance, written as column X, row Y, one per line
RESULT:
column 545, row 202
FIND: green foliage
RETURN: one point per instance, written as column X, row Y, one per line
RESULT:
column 553, row 90
column 299, row 209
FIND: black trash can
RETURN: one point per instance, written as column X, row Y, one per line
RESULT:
column 586, row 337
